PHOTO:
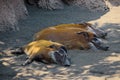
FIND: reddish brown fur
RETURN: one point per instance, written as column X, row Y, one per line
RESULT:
column 40, row 49
column 65, row 36
column 83, row 26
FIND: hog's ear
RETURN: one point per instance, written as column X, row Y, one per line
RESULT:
column 85, row 34
column 86, row 24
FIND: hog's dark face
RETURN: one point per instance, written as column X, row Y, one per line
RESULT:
column 60, row 56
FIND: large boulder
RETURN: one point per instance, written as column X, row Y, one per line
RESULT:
column 13, row 10
column 50, row 4
column 115, row 2
column 93, row 5
column 10, row 12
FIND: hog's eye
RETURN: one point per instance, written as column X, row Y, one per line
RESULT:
column 52, row 46
column 95, row 39
column 95, row 36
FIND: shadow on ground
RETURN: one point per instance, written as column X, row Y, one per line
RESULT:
column 6, row 72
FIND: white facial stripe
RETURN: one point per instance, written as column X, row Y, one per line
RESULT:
column 63, row 51
column 92, row 46
column 51, row 54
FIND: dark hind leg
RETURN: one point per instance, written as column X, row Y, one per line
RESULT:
column 17, row 51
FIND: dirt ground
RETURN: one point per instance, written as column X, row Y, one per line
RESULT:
column 86, row 65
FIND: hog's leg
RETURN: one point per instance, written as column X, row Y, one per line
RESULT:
column 28, row 61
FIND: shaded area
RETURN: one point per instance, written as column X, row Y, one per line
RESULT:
column 6, row 73
column 106, row 69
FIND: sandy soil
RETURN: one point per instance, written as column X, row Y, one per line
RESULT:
column 86, row 65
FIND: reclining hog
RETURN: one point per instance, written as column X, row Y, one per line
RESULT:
column 72, row 38
column 45, row 51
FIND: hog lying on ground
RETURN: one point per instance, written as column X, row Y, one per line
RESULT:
column 73, row 36
column 44, row 51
